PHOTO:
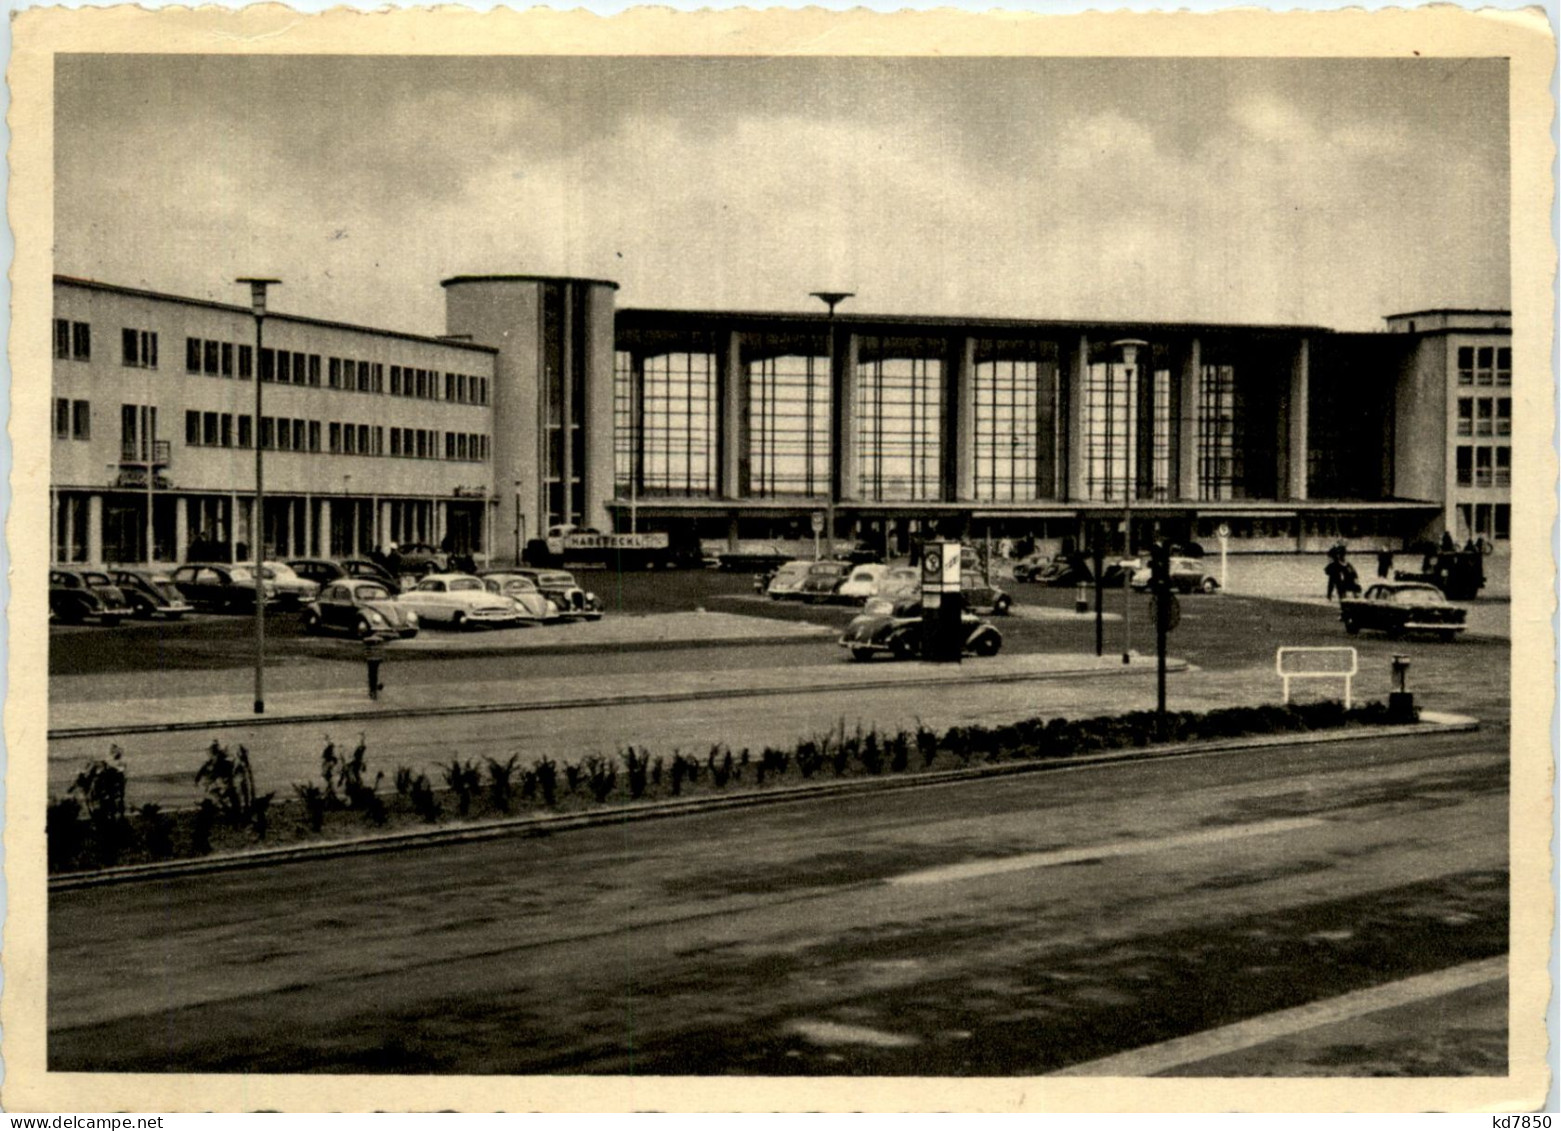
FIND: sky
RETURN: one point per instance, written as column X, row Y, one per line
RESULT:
column 1318, row 192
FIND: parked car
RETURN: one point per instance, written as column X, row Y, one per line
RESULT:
column 982, row 597
column 1459, row 574
column 420, row 559
column 76, row 595
column 860, row 553
column 1398, row 607
column 899, row 634
column 458, row 600
column 864, row 582
column 823, row 582
column 785, row 582
column 1187, row 576
column 221, row 588
column 363, row 608
column 1026, row 569
column 323, row 571
column 757, row 559
column 150, row 593
column 292, row 590
column 558, row 586
column 529, row 600
column 1059, row 572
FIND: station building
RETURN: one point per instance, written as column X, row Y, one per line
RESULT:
column 545, row 404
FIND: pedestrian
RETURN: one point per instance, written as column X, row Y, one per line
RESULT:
column 1334, row 569
column 393, row 562
column 1384, row 562
column 1349, row 581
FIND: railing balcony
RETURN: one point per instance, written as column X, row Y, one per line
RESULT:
column 133, row 454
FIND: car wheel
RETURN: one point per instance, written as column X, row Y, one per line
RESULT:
column 458, row 622
column 311, row 624
column 1001, row 606
column 1447, row 636
column 903, row 648
column 862, row 654
column 1209, row 585
column 987, row 644
column 141, row 610
column 364, row 629
column 1351, row 627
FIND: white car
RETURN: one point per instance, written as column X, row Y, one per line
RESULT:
column 291, row 589
column 864, row 582
column 529, row 600
column 458, row 600
column 787, row 580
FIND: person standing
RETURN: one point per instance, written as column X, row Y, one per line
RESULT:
column 1384, row 562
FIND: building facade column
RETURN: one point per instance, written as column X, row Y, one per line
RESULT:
column 181, row 527
column 54, row 526
column 95, row 529
column 962, row 382
column 441, row 522
column 846, row 451
column 1075, row 375
column 324, row 537
column 1188, row 386
column 384, row 533
column 1296, row 446
column 732, row 441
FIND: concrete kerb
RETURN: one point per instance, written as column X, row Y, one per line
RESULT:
column 1431, row 722
column 932, row 679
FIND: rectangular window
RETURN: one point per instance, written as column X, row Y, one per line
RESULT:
column 284, row 366
column 246, row 362
column 314, row 370
column 460, row 446
column 1465, row 464
column 1465, row 416
column 300, row 368
column 267, row 433
column 349, row 439
column 314, row 435
column 139, row 348
column 449, row 445
column 1503, row 529
column 379, row 439
column 192, row 355
column 284, row 433
column 227, row 359
column 192, row 426
column 363, row 439
column 1482, row 467
column 1504, row 365
column 377, row 381
column 61, row 418
column 1503, row 467
column 226, row 426
column 1482, row 417
column 212, row 358
column 363, row 376
column 246, row 432
column 395, row 380
column 267, row 366
column 61, row 337
column 449, row 386
column 209, row 434
column 1466, row 365
column 80, row 420
column 81, row 341
column 1504, row 416
column 1484, row 365
column 335, row 434
column 333, row 376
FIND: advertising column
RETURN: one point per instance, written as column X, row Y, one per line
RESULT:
column 942, row 633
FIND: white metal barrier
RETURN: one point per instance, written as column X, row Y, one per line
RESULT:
column 1318, row 663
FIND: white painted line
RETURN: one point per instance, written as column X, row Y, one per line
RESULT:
column 1153, row 1059
column 977, row 868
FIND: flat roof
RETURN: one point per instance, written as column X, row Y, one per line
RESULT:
column 527, row 279
column 647, row 316
column 234, row 308
column 1447, row 310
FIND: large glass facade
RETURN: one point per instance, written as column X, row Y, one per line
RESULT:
column 1016, row 391
column 788, row 426
column 1127, row 423
column 564, row 332
column 1219, row 459
column 678, row 414
column 899, row 425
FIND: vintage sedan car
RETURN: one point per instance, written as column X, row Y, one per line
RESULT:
column 323, row 571
column 823, row 581
column 362, row 608
column 1026, row 569
column 150, row 593
column 76, row 595
column 754, row 559
column 292, row 590
column 221, row 588
column 558, row 586
column 420, row 559
column 782, row 585
column 982, row 597
column 898, row 633
column 458, row 600
column 532, row 605
column 1187, row 576
column 1399, row 607
column 864, row 582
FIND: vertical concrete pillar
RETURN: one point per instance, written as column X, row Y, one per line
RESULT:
column 383, row 532
column 325, row 529
column 181, row 527
column 95, row 529
column 567, row 363
column 1188, row 386
column 441, row 522
column 232, row 526
column 733, row 533
column 962, row 381
column 54, row 526
column 732, row 441
column 847, row 449
column 1296, row 447
column 1075, row 375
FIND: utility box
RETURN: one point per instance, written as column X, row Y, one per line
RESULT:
column 943, row 634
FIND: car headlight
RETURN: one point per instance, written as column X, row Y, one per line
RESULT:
column 375, row 617
column 412, row 619
column 552, row 608
column 590, row 598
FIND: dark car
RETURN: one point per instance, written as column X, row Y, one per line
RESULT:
column 419, row 558
column 758, row 559
column 76, row 595
column 221, row 588
column 983, row 597
column 1187, row 576
column 899, row 634
column 1062, row 571
column 860, row 553
column 323, row 571
column 823, row 581
column 558, row 586
column 150, row 593
column 1029, row 568
column 362, row 608
column 1399, row 607
column 1459, row 574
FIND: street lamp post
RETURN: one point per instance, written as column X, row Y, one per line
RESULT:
column 1130, row 351
column 257, row 304
column 519, row 520
column 832, row 299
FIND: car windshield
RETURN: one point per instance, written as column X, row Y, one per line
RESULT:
column 792, row 569
column 864, row 575
column 96, row 578
column 511, row 585
column 373, row 593
column 239, row 573
column 161, row 579
column 555, row 579
column 827, row 569
column 462, row 584
column 277, row 569
column 1426, row 596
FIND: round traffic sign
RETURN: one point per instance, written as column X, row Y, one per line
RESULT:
column 932, row 564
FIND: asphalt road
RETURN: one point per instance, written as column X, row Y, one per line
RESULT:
column 1008, row 927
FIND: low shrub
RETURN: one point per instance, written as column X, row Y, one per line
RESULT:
column 464, row 780
column 312, row 798
column 501, row 781
column 65, row 831
column 156, row 830
column 601, row 775
column 547, row 781
column 424, row 803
